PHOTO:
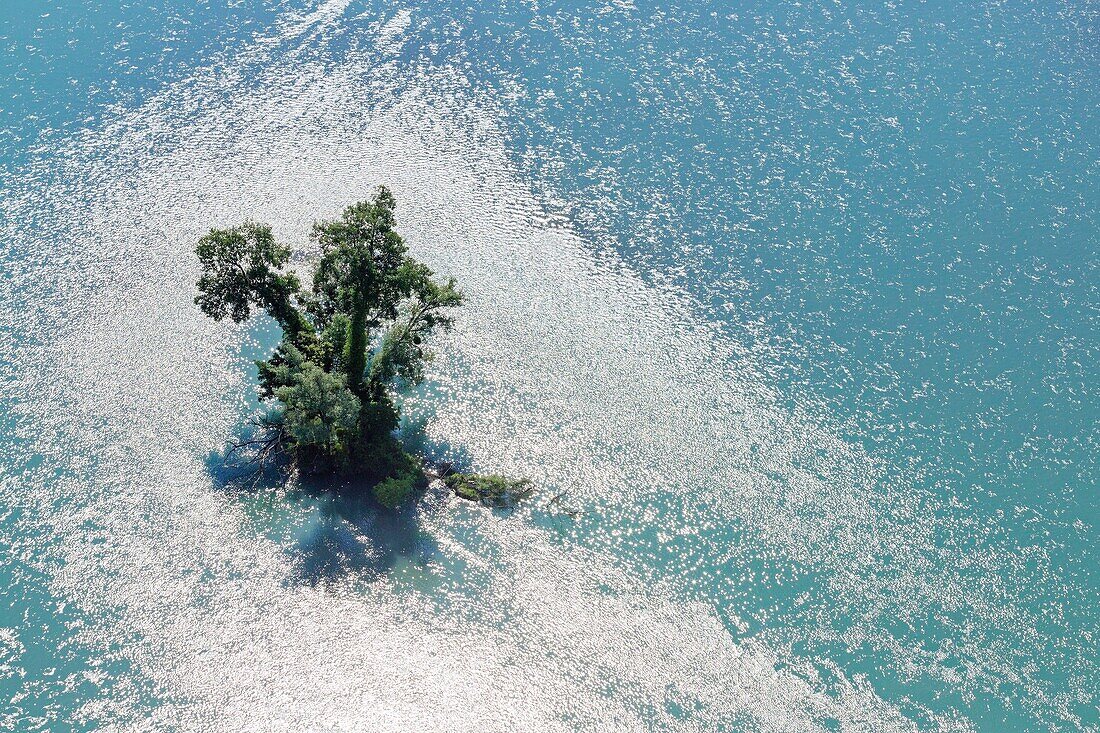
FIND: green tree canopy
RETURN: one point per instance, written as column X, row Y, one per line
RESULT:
column 357, row 335
column 241, row 272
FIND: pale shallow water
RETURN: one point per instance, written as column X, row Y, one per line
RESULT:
column 817, row 486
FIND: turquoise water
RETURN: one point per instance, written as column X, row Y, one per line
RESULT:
column 797, row 305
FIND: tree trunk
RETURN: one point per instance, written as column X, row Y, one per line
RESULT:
column 355, row 347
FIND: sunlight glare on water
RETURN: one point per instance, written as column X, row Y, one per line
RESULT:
column 731, row 560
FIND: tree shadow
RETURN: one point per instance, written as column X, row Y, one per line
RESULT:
column 332, row 528
column 350, row 534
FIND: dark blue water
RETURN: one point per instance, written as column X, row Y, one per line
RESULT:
column 797, row 305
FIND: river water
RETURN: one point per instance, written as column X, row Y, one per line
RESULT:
column 790, row 313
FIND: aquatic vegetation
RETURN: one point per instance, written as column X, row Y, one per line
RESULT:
column 349, row 342
column 490, row 490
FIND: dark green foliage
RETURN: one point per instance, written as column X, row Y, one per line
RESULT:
column 322, row 415
column 491, row 490
column 280, row 369
column 334, row 343
column 348, row 343
column 402, row 354
column 241, row 272
column 390, row 492
column 406, row 475
column 366, row 283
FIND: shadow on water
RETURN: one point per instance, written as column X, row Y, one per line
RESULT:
column 350, row 534
column 331, row 528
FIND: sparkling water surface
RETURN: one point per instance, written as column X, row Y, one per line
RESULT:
column 794, row 307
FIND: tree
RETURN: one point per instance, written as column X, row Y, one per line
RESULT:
column 348, row 343
column 321, row 412
column 401, row 354
column 363, row 275
column 241, row 271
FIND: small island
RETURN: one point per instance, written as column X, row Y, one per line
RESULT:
column 350, row 342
